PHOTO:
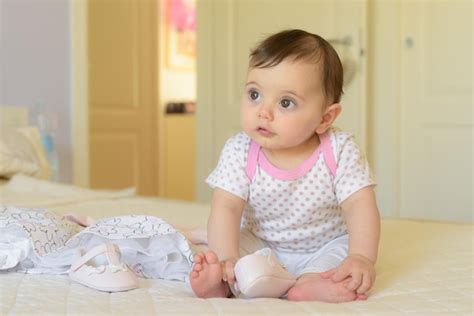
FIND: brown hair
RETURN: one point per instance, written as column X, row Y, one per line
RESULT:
column 300, row 44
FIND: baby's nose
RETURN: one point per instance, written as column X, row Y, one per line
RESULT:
column 265, row 112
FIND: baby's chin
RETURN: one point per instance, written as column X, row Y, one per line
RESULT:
column 270, row 143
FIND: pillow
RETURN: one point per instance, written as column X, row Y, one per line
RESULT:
column 21, row 152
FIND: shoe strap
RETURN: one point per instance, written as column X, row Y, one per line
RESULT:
column 111, row 252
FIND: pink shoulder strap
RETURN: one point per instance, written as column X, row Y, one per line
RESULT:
column 328, row 153
column 252, row 160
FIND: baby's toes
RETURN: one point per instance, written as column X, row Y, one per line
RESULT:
column 361, row 297
column 211, row 257
column 197, row 267
column 199, row 257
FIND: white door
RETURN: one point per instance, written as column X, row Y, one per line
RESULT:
column 227, row 30
column 436, row 114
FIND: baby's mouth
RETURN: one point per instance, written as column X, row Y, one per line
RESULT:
column 264, row 132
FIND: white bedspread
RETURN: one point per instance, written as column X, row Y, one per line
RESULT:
column 30, row 192
column 423, row 268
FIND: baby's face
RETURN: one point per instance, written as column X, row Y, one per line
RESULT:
column 283, row 105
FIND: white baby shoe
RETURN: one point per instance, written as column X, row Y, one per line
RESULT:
column 261, row 275
column 114, row 276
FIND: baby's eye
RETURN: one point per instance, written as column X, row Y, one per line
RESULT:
column 254, row 95
column 287, row 103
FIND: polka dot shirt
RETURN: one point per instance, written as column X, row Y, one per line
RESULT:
column 297, row 215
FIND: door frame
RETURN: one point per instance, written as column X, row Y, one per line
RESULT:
column 79, row 93
column 384, row 33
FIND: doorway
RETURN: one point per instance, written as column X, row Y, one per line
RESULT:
column 177, row 72
column 141, row 96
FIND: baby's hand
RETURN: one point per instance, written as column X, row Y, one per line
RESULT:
column 228, row 274
column 358, row 270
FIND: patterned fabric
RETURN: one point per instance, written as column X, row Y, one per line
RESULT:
column 149, row 245
column 46, row 230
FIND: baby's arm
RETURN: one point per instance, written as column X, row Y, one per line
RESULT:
column 363, row 225
column 223, row 229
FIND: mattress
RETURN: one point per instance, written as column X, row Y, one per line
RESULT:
column 423, row 268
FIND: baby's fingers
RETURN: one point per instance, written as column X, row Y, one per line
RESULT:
column 365, row 285
column 354, row 282
column 341, row 273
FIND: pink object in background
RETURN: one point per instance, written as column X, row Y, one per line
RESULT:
column 183, row 15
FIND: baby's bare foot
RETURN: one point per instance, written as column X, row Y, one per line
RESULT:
column 325, row 290
column 206, row 277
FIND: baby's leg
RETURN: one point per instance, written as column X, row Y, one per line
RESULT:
column 311, row 287
column 206, row 277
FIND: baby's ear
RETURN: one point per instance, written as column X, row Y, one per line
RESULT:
column 330, row 114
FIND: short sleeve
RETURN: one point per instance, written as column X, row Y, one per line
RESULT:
column 229, row 174
column 353, row 172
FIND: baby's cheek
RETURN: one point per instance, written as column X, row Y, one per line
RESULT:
column 245, row 121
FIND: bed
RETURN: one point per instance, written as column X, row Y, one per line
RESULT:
column 423, row 267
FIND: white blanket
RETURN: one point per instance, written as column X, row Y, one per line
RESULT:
column 30, row 192
column 424, row 268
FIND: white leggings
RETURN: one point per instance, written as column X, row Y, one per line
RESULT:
column 327, row 257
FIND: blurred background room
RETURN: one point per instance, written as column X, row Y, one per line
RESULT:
column 144, row 93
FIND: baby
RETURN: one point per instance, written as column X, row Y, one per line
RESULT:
column 291, row 182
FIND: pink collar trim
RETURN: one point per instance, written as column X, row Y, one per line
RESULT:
column 292, row 174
